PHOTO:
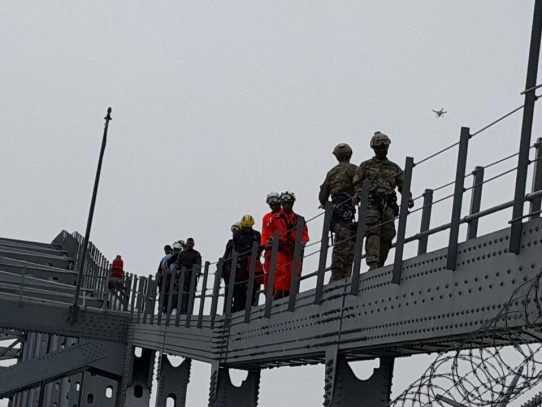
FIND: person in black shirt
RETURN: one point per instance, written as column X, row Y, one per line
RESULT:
column 242, row 244
column 167, row 266
column 187, row 261
column 226, row 265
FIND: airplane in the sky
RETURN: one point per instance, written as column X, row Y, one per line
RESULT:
column 440, row 112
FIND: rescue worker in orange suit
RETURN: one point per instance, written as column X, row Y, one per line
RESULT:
column 242, row 244
column 285, row 222
column 273, row 200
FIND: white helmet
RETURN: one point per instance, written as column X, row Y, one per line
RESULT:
column 272, row 197
column 287, row 196
column 179, row 245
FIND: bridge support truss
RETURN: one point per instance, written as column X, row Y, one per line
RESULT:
column 223, row 393
column 343, row 388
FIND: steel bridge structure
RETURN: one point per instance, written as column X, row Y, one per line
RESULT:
column 106, row 353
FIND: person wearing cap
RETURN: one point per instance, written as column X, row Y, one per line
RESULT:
column 384, row 178
column 273, row 200
column 341, row 184
column 242, row 244
column 188, row 260
column 285, row 222
column 168, row 269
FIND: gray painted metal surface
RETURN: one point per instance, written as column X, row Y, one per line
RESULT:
column 173, row 382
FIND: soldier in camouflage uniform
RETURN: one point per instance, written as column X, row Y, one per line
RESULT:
column 384, row 177
column 340, row 184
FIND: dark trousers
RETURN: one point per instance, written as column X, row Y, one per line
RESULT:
column 240, row 297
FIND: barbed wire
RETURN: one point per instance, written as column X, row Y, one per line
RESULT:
column 481, row 371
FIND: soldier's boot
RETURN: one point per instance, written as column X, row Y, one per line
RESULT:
column 385, row 246
column 373, row 265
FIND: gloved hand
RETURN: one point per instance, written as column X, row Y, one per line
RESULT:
column 410, row 203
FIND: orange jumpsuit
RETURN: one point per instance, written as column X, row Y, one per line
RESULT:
column 266, row 235
column 286, row 224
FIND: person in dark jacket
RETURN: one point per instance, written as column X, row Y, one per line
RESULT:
column 226, row 265
column 188, row 260
column 242, row 244
column 167, row 267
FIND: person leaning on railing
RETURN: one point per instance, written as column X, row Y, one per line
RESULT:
column 116, row 279
column 187, row 260
column 340, row 185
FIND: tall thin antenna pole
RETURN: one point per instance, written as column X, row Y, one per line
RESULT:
column 82, row 257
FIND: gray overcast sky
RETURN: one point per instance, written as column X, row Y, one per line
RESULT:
column 216, row 103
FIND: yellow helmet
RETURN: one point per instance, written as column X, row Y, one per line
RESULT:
column 235, row 227
column 247, row 221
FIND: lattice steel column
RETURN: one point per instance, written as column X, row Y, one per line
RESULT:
column 98, row 390
column 173, row 382
column 223, row 393
column 343, row 388
column 138, row 392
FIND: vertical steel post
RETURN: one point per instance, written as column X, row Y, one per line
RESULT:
column 196, row 269
column 203, row 293
column 537, row 180
column 324, row 246
column 251, row 278
column 426, row 220
column 475, row 201
column 403, row 215
column 154, row 293
column 126, row 289
column 75, row 304
column 139, row 297
column 271, row 277
column 298, row 259
column 180, row 294
column 216, row 291
column 360, row 235
column 172, row 279
column 134, row 287
column 147, row 303
column 231, row 284
column 161, row 298
column 526, row 129
column 459, row 189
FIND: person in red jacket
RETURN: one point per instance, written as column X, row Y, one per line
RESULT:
column 117, row 273
column 273, row 200
column 285, row 221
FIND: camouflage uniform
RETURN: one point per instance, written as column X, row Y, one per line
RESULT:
column 340, row 184
column 384, row 176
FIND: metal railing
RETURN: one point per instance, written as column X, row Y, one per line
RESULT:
column 182, row 296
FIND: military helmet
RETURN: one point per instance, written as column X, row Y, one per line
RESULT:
column 235, row 227
column 247, row 221
column 287, row 196
column 342, row 151
column 272, row 198
column 379, row 139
